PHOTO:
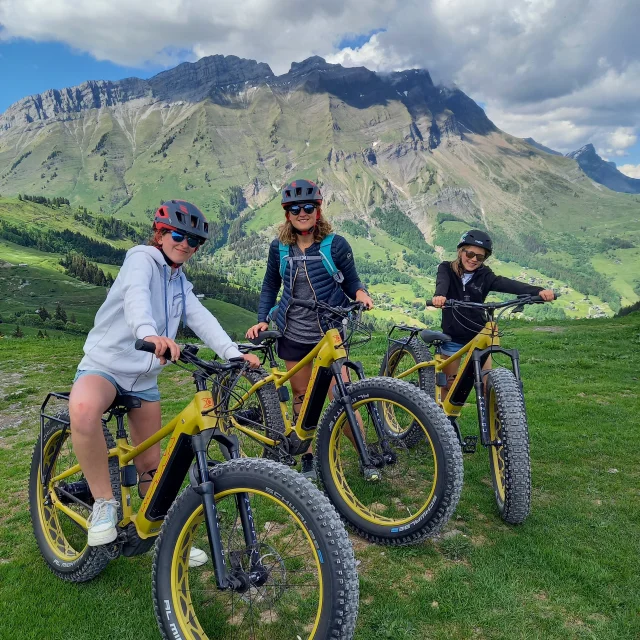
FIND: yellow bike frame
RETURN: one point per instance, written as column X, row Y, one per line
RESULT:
column 323, row 355
column 488, row 337
column 173, row 467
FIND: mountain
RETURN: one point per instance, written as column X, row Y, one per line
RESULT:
column 405, row 165
column 541, row 147
column 604, row 172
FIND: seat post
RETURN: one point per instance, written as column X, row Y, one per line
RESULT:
column 120, row 430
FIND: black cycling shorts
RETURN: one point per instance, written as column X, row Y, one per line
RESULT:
column 292, row 351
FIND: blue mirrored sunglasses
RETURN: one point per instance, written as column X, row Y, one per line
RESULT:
column 192, row 241
column 295, row 209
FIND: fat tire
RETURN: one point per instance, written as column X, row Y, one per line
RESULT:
column 510, row 411
column 94, row 559
column 445, row 443
column 419, row 352
column 341, row 593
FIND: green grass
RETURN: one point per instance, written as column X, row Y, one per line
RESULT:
column 571, row 571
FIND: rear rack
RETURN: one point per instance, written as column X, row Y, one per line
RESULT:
column 61, row 395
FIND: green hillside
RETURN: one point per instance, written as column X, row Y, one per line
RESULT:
column 570, row 571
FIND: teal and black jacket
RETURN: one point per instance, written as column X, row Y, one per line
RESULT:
column 325, row 286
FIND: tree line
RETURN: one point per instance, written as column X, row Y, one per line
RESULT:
column 77, row 266
column 61, row 242
column 52, row 203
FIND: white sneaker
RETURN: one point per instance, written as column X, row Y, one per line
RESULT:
column 197, row 557
column 102, row 522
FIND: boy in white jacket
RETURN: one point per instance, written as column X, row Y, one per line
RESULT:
column 149, row 299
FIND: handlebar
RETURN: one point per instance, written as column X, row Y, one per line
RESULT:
column 323, row 306
column 520, row 300
column 188, row 355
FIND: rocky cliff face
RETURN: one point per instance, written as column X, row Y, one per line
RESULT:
column 217, row 77
column 603, row 172
column 189, row 81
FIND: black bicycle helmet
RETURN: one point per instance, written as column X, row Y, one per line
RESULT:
column 477, row 238
column 301, row 191
column 178, row 215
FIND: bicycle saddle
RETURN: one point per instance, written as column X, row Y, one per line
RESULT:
column 124, row 404
column 430, row 337
column 265, row 335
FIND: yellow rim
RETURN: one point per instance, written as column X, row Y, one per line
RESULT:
column 180, row 591
column 51, row 528
column 345, row 491
column 497, row 453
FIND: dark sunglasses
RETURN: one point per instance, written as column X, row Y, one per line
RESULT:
column 295, row 209
column 192, row 241
column 478, row 256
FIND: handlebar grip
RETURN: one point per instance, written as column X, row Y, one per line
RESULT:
column 149, row 347
column 308, row 304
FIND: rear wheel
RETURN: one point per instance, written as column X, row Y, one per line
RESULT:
column 309, row 587
column 419, row 485
column 401, row 357
column 260, row 412
column 62, row 541
column 509, row 461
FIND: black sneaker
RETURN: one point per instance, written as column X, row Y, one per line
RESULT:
column 308, row 468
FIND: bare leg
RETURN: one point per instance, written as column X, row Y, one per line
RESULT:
column 143, row 423
column 90, row 396
column 299, row 383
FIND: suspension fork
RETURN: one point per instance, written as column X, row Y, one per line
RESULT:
column 372, row 409
column 205, row 490
column 230, row 443
column 481, row 401
column 344, row 398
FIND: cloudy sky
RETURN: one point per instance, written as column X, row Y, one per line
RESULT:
column 565, row 72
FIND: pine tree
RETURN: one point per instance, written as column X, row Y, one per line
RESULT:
column 43, row 313
column 60, row 313
column 40, row 334
column 18, row 332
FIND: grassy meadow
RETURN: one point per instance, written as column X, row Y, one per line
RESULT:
column 571, row 571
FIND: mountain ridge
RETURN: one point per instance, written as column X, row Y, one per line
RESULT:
column 603, row 171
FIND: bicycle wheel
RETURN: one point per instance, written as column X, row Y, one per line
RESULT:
column 62, row 541
column 509, row 463
column 419, row 486
column 399, row 358
column 259, row 412
column 311, row 588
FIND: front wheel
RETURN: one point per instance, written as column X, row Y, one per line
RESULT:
column 418, row 485
column 509, row 461
column 308, row 586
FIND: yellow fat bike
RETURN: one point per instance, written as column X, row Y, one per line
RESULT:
column 282, row 564
column 387, row 492
column 418, row 359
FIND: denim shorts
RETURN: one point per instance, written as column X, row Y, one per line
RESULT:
column 449, row 348
column 148, row 395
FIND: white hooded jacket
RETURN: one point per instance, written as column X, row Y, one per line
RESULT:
column 146, row 299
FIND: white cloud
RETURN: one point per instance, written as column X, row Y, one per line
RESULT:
column 565, row 72
column 631, row 170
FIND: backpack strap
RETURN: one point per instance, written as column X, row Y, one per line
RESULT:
column 325, row 256
column 327, row 259
column 284, row 254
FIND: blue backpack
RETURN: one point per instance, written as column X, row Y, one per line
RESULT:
column 325, row 256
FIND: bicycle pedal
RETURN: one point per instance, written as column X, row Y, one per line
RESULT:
column 372, row 474
column 469, row 444
column 390, row 457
